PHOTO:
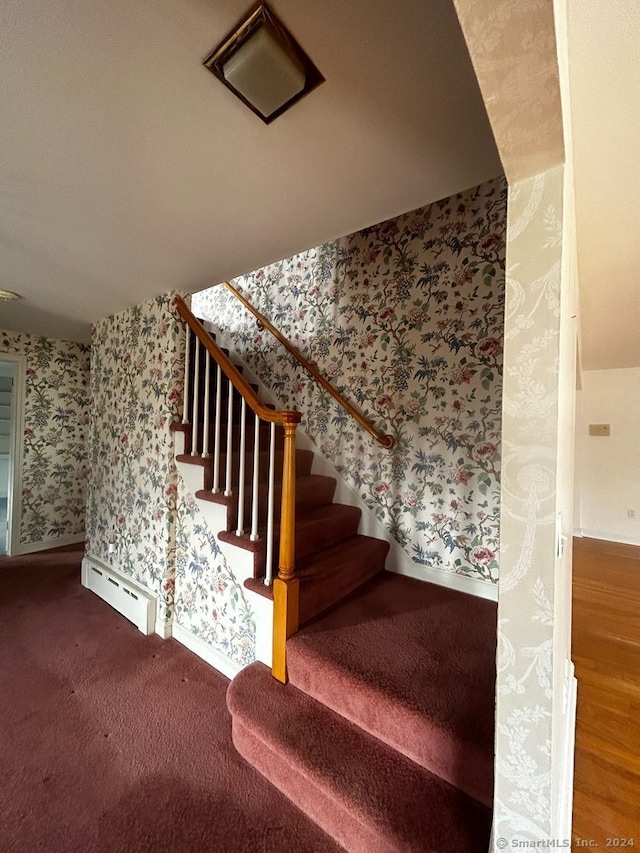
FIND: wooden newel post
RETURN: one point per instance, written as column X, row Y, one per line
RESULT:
column 286, row 585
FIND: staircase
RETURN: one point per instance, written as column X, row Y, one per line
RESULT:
column 383, row 734
column 274, row 519
column 331, row 558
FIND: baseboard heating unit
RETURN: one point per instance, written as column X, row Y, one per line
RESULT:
column 136, row 604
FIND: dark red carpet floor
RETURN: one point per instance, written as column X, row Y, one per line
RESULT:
column 113, row 742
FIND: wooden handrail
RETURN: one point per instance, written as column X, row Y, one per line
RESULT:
column 236, row 378
column 385, row 440
column 286, row 586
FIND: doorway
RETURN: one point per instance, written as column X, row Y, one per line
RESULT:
column 11, row 401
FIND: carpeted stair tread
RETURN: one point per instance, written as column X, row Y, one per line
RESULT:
column 330, row 575
column 363, row 794
column 413, row 664
column 325, row 526
column 311, row 490
column 317, row 528
column 304, row 461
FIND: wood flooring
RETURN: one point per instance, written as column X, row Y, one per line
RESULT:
column 606, row 652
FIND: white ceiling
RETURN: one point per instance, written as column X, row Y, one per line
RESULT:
column 128, row 170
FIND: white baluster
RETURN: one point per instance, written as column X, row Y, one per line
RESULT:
column 268, row 572
column 205, row 426
column 196, row 386
column 185, row 396
column 227, row 483
column 241, row 467
column 256, row 481
column 216, row 439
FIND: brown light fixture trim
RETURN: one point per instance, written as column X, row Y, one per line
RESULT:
column 278, row 49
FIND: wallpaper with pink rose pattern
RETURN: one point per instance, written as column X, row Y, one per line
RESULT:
column 406, row 319
column 136, row 388
column 56, row 419
column 137, row 499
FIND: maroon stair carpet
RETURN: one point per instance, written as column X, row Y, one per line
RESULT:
column 384, row 734
column 332, row 559
column 413, row 664
column 327, row 573
column 367, row 795
column 113, row 742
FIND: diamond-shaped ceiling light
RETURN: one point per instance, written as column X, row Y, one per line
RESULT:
column 264, row 65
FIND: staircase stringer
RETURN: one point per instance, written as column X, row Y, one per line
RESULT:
column 240, row 561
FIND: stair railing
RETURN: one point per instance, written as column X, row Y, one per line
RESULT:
column 200, row 347
column 385, row 440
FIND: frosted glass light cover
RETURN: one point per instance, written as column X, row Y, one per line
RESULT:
column 264, row 73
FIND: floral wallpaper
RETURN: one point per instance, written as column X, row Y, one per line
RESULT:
column 136, row 499
column 406, row 319
column 526, row 611
column 56, row 418
column 136, row 389
column 209, row 602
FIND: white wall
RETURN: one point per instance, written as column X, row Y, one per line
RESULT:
column 608, row 468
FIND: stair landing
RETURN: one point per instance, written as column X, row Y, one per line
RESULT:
column 413, row 664
column 384, row 735
column 365, row 795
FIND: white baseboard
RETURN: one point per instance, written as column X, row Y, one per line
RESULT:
column 203, row 650
column 400, row 563
column 606, row 536
column 46, row 544
column 164, row 629
column 129, row 598
column 262, row 609
column 563, row 830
